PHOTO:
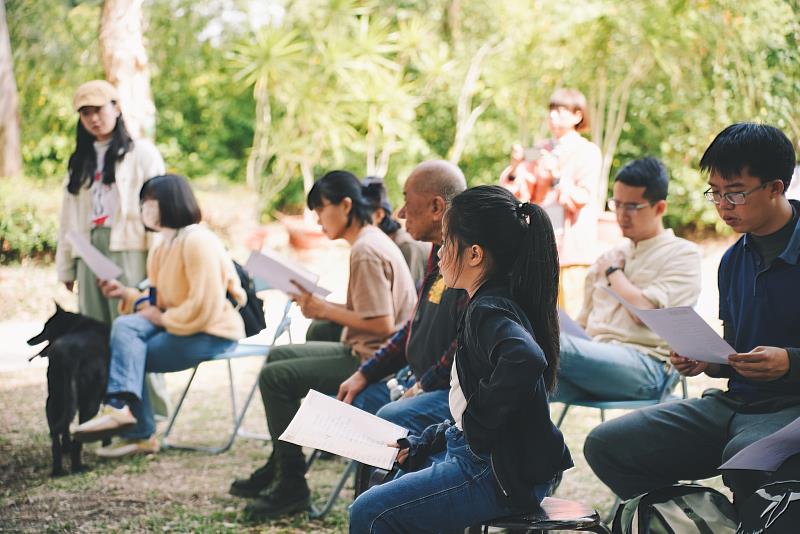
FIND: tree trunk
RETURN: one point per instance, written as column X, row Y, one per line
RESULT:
column 260, row 154
column 10, row 155
column 307, row 170
column 609, row 112
column 125, row 63
column 466, row 115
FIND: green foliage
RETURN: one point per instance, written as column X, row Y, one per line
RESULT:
column 54, row 48
column 27, row 229
column 205, row 124
column 376, row 86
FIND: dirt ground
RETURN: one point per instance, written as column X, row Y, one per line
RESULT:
column 176, row 491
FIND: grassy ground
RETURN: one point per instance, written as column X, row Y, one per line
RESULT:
column 177, row 491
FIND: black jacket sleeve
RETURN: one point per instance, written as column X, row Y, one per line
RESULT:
column 517, row 363
column 431, row 441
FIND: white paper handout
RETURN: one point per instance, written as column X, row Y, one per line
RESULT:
column 685, row 332
column 279, row 272
column 570, row 326
column 325, row 423
column 768, row 453
column 102, row 267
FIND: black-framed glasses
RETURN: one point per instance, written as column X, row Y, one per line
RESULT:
column 737, row 199
column 630, row 207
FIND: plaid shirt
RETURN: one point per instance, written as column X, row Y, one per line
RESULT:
column 391, row 357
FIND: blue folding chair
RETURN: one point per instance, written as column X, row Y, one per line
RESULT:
column 349, row 472
column 603, row 405
column 242, row 350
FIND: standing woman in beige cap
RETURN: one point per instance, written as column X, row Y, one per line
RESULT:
column 101, row 202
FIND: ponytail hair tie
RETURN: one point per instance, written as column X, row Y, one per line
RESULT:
column 524, row 209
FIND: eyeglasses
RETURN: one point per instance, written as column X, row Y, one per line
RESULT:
column 738, row 198
column 629, row 207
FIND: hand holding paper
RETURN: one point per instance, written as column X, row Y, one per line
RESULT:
column 569, row 326
column 685, row 331
column 282, row 274
column 311, row 306
column 330, row 425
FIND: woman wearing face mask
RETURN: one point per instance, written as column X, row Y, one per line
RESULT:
column 101, row 202
column 184, row 321
column 562, row 177
column 569, row 168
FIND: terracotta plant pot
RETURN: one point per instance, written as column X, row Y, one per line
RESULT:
column 302, row 234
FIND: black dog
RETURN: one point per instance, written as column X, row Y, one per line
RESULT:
column 76, row 377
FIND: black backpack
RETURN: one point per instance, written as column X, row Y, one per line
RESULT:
column 773, row 509
column 678, row 509
column 253, row 312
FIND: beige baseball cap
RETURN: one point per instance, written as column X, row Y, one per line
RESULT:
column 94, row 93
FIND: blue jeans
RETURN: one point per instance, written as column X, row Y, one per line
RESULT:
column 139, row 346
column 589, row 370
column 446, row 497
column 414, row 413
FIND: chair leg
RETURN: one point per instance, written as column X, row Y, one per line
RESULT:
column 164, row 441
column 316, row 513
column 314, row 455
column 613, row 511
column 599, row 528
column 602, row 416
column 237, row 417
column 562, row 416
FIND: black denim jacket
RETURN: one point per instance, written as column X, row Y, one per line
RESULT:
column 500, row 368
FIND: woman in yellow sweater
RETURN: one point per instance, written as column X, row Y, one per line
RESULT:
column 185, row 319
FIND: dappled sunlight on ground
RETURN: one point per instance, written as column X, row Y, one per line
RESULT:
column 183, row 491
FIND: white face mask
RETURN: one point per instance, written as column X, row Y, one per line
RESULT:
column 151, row 217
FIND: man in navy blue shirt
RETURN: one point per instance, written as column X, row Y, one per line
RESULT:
column 750, row 167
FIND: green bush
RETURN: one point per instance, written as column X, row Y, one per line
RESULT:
column 28, row 220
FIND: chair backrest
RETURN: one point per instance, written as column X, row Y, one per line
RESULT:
column 260, row 284
column 286, row 321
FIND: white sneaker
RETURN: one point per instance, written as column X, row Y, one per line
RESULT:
column 129, row 447
column 109, row 421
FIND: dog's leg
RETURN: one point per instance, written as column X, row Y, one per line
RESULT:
column 75, row 453
column 58, row 465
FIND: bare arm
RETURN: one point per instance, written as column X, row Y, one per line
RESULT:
column 314, row 307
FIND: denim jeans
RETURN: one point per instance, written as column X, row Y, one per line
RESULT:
column 447, row 497
column 589, row 370
column 139, row 346
column 414, row 413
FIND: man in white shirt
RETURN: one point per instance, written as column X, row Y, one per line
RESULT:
column 625, row 360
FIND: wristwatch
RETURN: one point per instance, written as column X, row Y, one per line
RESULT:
column 610, row 270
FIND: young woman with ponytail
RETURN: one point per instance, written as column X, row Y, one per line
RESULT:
column 380, row 299
column 502, row 450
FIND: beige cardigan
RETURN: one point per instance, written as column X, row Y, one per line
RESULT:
column 127, row 231
column 192, row 274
